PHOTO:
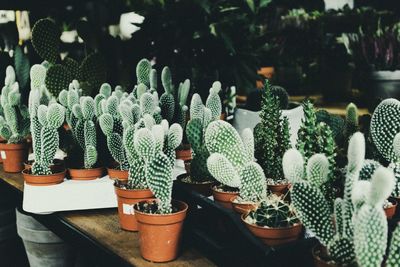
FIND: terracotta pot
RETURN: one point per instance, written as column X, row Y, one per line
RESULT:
column 391, row 210
column 115, row 174
column 242, row 208
column 160, row 234
column 14, row 156
column 223, row 198
column 86, row 174
column 201, row 188
column 318, row 261
column 279, row 189
column 43, row 180
column 274, row 236
column 126, row 199
column 184, row 152
column 1, row 142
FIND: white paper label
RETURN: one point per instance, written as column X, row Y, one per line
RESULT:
column 3, row 154
column 128, row 209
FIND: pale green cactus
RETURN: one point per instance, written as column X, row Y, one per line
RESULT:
column 213, row 100
column 14, row 126
column 143, row 70
column 394, row 255
column 45, row 139
column 351, row 122
column 232, row 160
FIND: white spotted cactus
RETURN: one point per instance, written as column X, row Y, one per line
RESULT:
column 45, row 120
column 232, row 160
column 14, row 126
column 68, row 98
column 85, row 129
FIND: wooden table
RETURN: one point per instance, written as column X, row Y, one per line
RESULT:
column 97, row 234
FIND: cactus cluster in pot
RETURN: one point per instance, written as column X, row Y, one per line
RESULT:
column 45, row 121
column 357, row 216
column 200, row 117
column 272, row 137
column 14, row 124
column 91, row 71
column 231, row 161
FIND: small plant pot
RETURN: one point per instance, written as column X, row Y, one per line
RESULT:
column 2, row 141
column 274, row 236
column 279, row 189
column 160, row 234
column 116, row 174
column 223, row 198
column 201, row 188
column 127, row 198
column 184, row 152
column 57, row 163
column 43, row 180
column 320, row 257
column 86, row 174
column 14, row 156
column 390, row 211
column 242, row 208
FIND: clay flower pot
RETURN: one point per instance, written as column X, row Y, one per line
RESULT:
column 390, row 211
column 201, row 188
column 116, row 174
column 43, row 180
column 160, row 234
column 2, row 141
column 274, row 236
column 127, row 198
column 86, row 174
column 184, row 152
column 242, row 208
column 279, row 189
column 223, row 198
column 14, row 156
column 319, row 255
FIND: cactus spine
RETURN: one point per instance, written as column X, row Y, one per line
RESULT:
column 232, row 160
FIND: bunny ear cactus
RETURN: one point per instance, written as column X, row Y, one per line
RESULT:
column 46, row 40
column 143, row 70
column 45, row 137
column 14, row 126
column 351, row 122
column 167, row 100
column 214, row 101
column 231, row 160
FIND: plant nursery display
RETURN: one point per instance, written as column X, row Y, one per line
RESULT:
column 272, row 139
column 14, row 125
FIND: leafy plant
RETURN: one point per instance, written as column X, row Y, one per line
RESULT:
column 272, row 136
column 200, row 117
column 231, row 160
column 14, row 126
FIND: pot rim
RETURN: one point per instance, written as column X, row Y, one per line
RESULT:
column 24, row 172
column 244, row 215
column 213, row 188
column 180, row 177
column 385, row 75
column 184, row 210
column 11, row 146
column 238, row 203
column 83, row 169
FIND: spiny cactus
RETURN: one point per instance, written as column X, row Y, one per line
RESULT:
column 46, row 40
column 394, row 255
column 44, row 124
column 271, row 135
column 335, row 123
column 200, row 117
column 143, row 71
column 232, row 160
column 351, row 122
column 368, row 168
column 14, row 126
column 358, row 216
column 282, row 95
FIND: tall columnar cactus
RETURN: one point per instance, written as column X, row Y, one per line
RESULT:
column 385, row 129
column 14, row 126
column 335, row 123
column 44, row 124
column 85, row 129
column 271, row 135
column 342, row 237
column 143, row 71
column 38, row 76
column 232, row 160
column 351, row 122
column 200, row 117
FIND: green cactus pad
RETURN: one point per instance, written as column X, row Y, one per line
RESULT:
column 223, row 170
column 57, row 78
column 46, row 39
column 143, row 69
column 72, row 66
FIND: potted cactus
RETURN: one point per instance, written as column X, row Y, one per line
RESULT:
column 111, row 125
column 199, row 178
column 272, row 139
column 343, row 239
column 174, row 109
column 274, row 221
column 160, row 221
column 90, row 73
column 45, row 121
column 231, row 163
column 14, row 125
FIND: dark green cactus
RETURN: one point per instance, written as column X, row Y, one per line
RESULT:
column 57, row 79
column 92, row 72
column 22, row 67
column 282, row 95
column 46, row 40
